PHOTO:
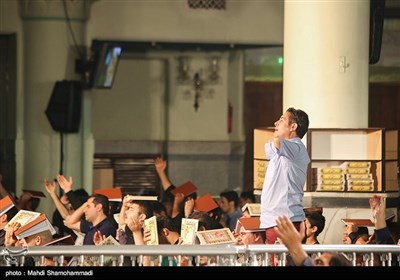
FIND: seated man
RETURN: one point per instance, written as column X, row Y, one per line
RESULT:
column 96, row 219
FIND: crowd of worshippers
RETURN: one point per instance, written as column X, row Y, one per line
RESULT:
column 83, row 219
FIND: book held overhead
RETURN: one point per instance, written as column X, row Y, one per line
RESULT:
column 186, row 189
column 5, row 204
column 35, row 226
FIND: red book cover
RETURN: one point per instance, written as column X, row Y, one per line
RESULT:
column 250, row 224
column 205, row 203
column 359, row 222
column 39, row 224
column 113, row 194
column 186, row 189
column 5, row 204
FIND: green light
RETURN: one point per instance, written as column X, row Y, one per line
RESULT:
column 280, row 60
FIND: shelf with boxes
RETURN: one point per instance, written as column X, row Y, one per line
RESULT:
column 350, row 160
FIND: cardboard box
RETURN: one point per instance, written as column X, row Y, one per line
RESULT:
column 261, row 137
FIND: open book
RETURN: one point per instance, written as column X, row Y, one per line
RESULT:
column 186, row 189
column 35, row 226
column 23, row 217
column 254, row 209
column 205, row 203
column 109, row 241
column 359, row 222
column 188, row 230
column 216, row 236
column 151, row 224
column 251, row 224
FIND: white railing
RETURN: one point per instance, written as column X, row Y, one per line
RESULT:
column 194, row 255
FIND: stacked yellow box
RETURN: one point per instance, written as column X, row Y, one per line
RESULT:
column 328, row 178
column 260, row 167
column 358, row 176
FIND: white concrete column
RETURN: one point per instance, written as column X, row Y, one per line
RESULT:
column 49, row 56
column 326, row 66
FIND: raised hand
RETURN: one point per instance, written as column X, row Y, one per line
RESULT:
column 291, row 238
column 160, row 164
column 65, row 184
column 51, row 188
column 10, row 238
column 189, row 206
column 98, row 238
column 377, row 204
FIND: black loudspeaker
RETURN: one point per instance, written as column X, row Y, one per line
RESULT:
column 64, row 108
column 377, row 9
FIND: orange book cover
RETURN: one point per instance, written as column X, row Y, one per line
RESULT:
column 187, row 189
column 29, row 225
column 5, row 204
column 251, row 224
column 113, row 194
column 205, row 203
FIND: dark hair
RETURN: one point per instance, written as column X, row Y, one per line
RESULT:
column 165, row 222
column 301, row 119
column 103, row 200
column 248, row 195
column 158, row 208
column 205, row 220
column 316, row 219
column 82, row 195
column 34, row 201
column 215, row 214
column 231, row 196
column 339, row 260
column 361, row 232
column 145, row 207
column 11, row 213
column 263, row 235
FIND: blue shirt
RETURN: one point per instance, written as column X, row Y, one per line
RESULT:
column 282, row 193
column 106, row 227
column 231, row 219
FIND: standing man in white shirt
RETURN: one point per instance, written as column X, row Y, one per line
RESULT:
column 282, row 193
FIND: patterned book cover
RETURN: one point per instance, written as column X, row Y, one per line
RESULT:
column 23, row 217
column 188, row 230
column 109, row 241
column 35, row 226
column 216, row 236
column 254, row 209
column 151, row 224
